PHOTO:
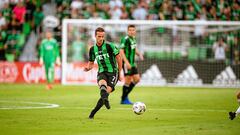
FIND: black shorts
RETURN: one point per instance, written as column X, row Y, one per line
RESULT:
column 132, row 71
column 110, row 78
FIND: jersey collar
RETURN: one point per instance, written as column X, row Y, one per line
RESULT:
column 101, row 44
column 132, row 38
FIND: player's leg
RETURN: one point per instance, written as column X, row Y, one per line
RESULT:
column 112, row 79
column 49, row 70
column 51, row 73
column 103, row 93
column 105, row 100
column 128, row 80
column 238, row 99
column 125, row 89
column 134, row 81
column 103, row 88
column 232, row 115
column 103, row 96
column 96, row 108
column 106, row 82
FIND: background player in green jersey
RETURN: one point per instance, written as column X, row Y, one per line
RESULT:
column 49, row 55
column 128, row 51
column 109, row 66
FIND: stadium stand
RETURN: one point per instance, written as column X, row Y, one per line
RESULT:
column 19, row 18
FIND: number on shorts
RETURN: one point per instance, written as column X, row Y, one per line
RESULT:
column 114, row 77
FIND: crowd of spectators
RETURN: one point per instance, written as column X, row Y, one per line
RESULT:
column 149, row 9
column 19, row 17
column 211, row 10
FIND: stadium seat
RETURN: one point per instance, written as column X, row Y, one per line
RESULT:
column 149, row 55
column 202, row 53
column 193, row 53
column 176, row 55
column 160, row 55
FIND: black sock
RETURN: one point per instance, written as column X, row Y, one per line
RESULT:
column 125, row 91
column 131, row 86
column 103, row 92
column 97, row 107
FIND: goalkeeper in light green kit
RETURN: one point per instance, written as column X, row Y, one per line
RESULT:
column 49, row 55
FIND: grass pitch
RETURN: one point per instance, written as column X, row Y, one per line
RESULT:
column 170, row 111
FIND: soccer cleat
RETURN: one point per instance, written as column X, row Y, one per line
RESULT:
column 232, row 115
column 126, row 101
column 106, row 103
column 91, row 117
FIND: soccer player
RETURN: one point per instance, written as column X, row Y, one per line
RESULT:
column 49, row 55
column 232, row 115
column 128, row 51
column 109, row 66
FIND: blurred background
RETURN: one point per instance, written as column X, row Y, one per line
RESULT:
column 174, row 54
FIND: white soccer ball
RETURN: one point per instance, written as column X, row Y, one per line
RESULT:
column 139, row 108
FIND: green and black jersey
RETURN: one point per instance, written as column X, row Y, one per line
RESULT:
column 105, row 56
column 128, row 44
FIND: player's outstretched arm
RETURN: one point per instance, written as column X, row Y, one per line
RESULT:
column 89, row 66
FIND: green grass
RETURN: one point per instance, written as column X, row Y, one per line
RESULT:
column 170, row 111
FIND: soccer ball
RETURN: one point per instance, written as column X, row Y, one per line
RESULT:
column 139, row 108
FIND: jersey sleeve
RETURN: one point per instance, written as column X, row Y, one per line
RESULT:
column 123, row 42
column 91, row 54
column 41, row 50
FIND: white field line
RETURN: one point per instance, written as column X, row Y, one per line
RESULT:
column 48, row 105
column 153, row 109
column 42, row 105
